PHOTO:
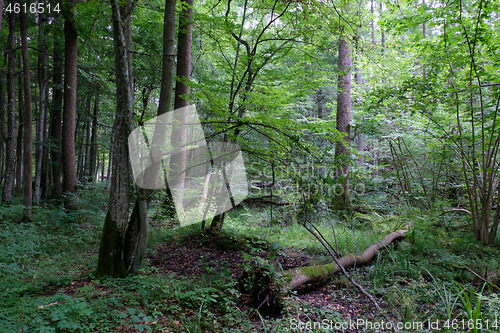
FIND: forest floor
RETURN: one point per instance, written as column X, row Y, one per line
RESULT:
column 194, row 260
column 191, row 282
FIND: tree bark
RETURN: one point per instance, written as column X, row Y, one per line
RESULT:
column 111, row 254
column 3, row 137
column 372, row 21
column 184, row 43
column 28, row 128
column 317, row 274
column 55, row 121
column 20, row 135
column 168, row 60
column 178, row 161
column 40, row 129
column 86, row 164
column 69, row 106
column 359, row 97
column 103, row 165
column 93, row 147
column 110, row 165
column 126, row 8
column 1, row 14
column 137, row 231
column 342, row 162
column 83, row 154
column 10, row 142
column 424, row 25
column 382, row 33
column 2, row 129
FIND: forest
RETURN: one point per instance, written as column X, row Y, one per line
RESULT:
column 249, row 166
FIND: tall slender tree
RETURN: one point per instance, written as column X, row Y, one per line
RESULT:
column 20, row 130
column 111, row 254
column 184, row 42
column 93, row 140
column 40, row 125
column 2, row 124
column 424, row 24
column 343, row 122
column 372, row 22
column 116, row 256
column 2, row 109
column 382, row 32
column 56, row 120
column 69, row 107
column 11, row 112
column 1, row 14
column 137, row 232
column 28, row 128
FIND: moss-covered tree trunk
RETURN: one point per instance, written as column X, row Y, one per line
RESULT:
column 111, row 251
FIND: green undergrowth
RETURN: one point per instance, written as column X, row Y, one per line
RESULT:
column 352, row 235
column 431, row 273
column 47, row 281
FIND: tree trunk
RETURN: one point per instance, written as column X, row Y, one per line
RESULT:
column 45, row 184
column 359, row 97
column 168, row 60
column 316, row 274
column 3, row 138
column 126, row 8
column 372, row 21
column 93, row 147
column 19, row 144
column 1, row 14
column 103, row 165
column 424, row 25
column 110, row 165
column 86, row 163
column 184, row 43
column 382, row 33
column 2, row 128
column 120, row 173
column 55, row 122
column 28, row 128
column 111, row 254
column 178, row 161
column 342, row 162
column 83, row 154
column 137, row 232
column 10, row 142
column 40, row 128
column 69, row 107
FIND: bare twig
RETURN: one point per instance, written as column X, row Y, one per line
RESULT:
column 349, row 277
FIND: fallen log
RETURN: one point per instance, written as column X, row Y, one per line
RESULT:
column 264, row 201
column 321, row 273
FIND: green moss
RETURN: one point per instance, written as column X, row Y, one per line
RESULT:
column 318, row 271
column 286, row 277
